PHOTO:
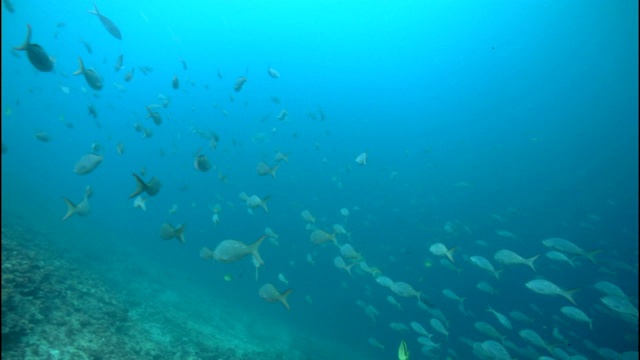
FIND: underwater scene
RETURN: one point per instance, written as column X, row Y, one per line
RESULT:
column 235, row 179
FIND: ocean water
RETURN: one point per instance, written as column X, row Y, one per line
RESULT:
column 476, row 117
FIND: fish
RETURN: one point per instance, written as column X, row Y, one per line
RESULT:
column 417, row 327
column 362, row 159
column 577, row 315
column 263, row 169
column 545, row 287
column 82, row 208
column 306, row 215
column 145, row 69
column 120, row 148
column 9, row 5
column 201, row 163
column 270, row 293
column 106, row 22
column 273, row 72
column 140, row 202
column 375, row 343
column 175, row 83
column 168, row 232
column 404, row 289
column 282, row 116
column 239, row 83
column 439, row 249
column 501, row 318
column 283, row 279
column 558, row 256
column 568, row 247
column 254, row 201
column 508, row 257
column 184, row 63
column 87, row 164
column 318, row 237
column 151, row 188
column 119, row 63
column 280, row 156
column 128, row 76
column 439, row 327
column 43, row 136
column 622, row 307
column 339, row 262
column 490, row 349
column 384, row 281
column 90, row 75
column 36, row 54
column 86, row 45
column 154, row 115
column 92, row 111
column 229, row 251
column 534, row 338
column 484, row 264
column 391, row 300
column 348, row 252
column 488, row 330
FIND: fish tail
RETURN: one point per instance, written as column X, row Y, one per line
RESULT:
column 27, row 41
column 283, row 298
column 95, row 10
column 254, row 249
column 71, row 208
column 180, row 233
column 591, row 255
column 449, row 253
column 80, row 67
column 273, row 171
column 141, row 186
column 497, row 274
column 263, row 203
column 531, row 260
column 569, row 295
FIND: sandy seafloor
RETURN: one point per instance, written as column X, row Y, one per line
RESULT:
column 54, row 306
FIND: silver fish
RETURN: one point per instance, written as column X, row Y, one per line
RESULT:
column 106, row 22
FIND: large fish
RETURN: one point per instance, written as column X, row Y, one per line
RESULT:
column 93, row 78
column 108, row 24
column 36, row 54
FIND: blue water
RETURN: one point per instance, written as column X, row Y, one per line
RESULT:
column 524, row 111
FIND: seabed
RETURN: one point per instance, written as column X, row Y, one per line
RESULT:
column 55, row 309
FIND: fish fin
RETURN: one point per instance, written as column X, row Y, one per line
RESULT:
column 283, row 298
column 450, row 252
column 273, row 171
column 180, row 233
column 95, row 10
column 591, row 255
column 569, row 295
column 80, row 68
column 27, row 41
column 206, row 253
column 531, row 260
column 254, row 249
column 71, row 208
column 263, row 203
column 141, row 186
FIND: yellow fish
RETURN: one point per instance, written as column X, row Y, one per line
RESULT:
column 403, row 352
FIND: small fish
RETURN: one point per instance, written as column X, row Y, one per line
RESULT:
column 140, row 202
column 108, row 24
column 318, row 237
column 280, row 156
column 86, row 45
column 306, row 215
column 93, row 111
column 201, row 163
column 119, row 63
column 128, row 76
column 43, row 136
column 282, row 116
column 145, row 69
column 283, row 279
column 184, row 63
column 273, row 72
column 229, row 251
column 545, row 287
column 36, row 54
column 439, row 249
column 120, row 148
column 9, row 6
column 175, row 83
column 254, row 201
column 154, row 115
column 87, row 164
column 151, row 188
column 168, row 232
column 82, row 208
column 275, row 99
column 263, row 169
column 239, row 83
column 270, row 293
column 362, row 159
column 90, row 75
